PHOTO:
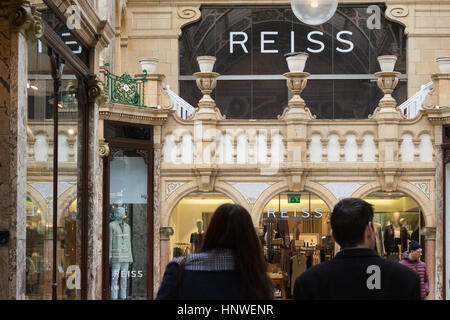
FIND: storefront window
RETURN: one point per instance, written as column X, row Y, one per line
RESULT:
column 128, row 226
column 250, row 44
column 397, row 221
column 40, row 131
column 296, row 235
column 190, row 220
column 56, row 187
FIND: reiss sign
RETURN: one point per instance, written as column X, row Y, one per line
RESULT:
column 314, row 37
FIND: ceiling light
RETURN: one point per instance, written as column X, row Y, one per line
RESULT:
column 314, row 12
column 71, row 132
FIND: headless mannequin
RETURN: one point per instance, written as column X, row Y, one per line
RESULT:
column 395, row 235
column 120, row 254
column 197, row 238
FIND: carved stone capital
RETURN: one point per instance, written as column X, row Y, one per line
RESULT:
column 97, row 92
column 103, row 149
column 20, row 15
column 165, row 233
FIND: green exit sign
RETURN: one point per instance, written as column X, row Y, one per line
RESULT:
column 293, row 198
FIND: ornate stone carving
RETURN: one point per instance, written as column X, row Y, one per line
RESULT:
column 423, row 186
column 387, row 107
column 171, row 187
column 187, row 12
column 96, row 91
column 165, row 233
column 397, row 11
column 206, row 82
column 296, row 82
column 342, row 190
column 188, row 15
column 103, row 149
column 20, row 15
column 388, row 178
column 251, row 190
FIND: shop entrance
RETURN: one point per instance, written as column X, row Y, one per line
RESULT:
column 190, row 220
column 397, row 220
column 296, row 234
column 128, row 213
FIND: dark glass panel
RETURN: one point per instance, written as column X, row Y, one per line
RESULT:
column 234, row 99
column 269, row 99
column 116, row 130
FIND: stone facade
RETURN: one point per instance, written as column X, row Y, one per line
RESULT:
column 333, row 159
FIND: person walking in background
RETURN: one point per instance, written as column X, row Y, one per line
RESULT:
column 230, row 265
column 412, row 260
column 357, row 272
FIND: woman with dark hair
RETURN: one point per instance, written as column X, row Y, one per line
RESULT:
column 230, row 265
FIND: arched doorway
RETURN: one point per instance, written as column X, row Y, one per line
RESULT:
column 398, row 219
column 296, row 234
column 190, row 220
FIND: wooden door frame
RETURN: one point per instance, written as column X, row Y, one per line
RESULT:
column 144, row 148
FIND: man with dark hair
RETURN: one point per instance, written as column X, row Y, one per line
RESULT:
column 357, row 272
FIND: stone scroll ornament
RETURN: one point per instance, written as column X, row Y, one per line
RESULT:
column 398, row 13
column 188, row 15
column 423, row 186
column 22, row 16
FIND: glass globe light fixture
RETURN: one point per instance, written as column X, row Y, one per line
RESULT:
column 314, row 12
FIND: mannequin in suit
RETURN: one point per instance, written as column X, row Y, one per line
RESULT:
column 120, row 254
column 395, row 234
column 197, row 238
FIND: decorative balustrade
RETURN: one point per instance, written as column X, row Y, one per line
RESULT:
column 257, row 146
column 297, row 138
column 413, row 105
column 183, row 109
column 125, row 89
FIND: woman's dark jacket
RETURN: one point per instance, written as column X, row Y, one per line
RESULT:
column 205, row 276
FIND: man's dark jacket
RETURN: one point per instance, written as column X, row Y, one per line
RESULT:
column 346, row 277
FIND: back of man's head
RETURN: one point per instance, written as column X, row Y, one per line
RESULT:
column 349, row 220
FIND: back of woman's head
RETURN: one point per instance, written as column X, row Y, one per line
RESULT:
column 231, row 227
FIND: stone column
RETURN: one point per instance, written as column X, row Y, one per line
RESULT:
column 97, row 97
column 165, row 233
column 430, row 258
column 18, row 20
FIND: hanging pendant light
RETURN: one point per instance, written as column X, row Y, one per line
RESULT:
column 314, row 12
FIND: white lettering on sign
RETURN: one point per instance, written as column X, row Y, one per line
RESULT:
column 322, row 45
column 317, row 213
column 241, row 38
column 264, row 41
column 241, row 42
column 351, row 45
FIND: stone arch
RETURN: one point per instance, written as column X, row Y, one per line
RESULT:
column 37, row 198
column 172, row 201
column 282, row 186
column 70, row 193
column 410, row 190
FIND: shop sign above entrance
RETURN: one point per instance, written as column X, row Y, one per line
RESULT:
column 297, row 214
column 293, row 198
